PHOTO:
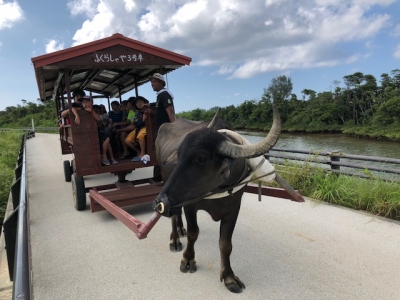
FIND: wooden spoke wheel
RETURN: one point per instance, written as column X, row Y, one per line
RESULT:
column 78, row 192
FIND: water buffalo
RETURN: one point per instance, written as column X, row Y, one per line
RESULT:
column 197, row 160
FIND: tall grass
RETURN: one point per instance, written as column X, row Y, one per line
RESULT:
column 371, row 195
column 10, row 143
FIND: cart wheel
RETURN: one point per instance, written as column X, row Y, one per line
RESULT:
column 157, row 173
column 67, row 171
column 72, row 167
column 78, row 192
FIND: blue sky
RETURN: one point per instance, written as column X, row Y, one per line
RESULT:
column 236, row 46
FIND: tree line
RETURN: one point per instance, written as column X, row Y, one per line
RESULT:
column 43, row 114
column 361, row 106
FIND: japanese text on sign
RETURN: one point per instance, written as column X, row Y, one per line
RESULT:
column 109, row 58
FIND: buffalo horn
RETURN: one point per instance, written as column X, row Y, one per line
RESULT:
column 214, row 120
column 229, row 149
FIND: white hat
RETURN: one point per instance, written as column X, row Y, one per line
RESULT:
column 158, row 76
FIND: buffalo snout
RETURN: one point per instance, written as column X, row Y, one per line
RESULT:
column 164, row 207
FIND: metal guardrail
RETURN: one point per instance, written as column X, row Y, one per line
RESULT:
column 16, row 233
column 37, row 129
column 338, row 162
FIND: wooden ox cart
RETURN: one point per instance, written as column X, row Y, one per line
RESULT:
column 107, row 68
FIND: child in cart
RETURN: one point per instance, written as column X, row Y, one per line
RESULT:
column 139, row 134
column 103, row 137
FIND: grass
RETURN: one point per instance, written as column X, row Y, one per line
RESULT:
column 371, row 195
column 10, row 143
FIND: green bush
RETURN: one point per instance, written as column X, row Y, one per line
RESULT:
column 372, row 195
column 11, row 142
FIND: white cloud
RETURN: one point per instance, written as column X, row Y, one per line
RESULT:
column 54, row 45
column 243, row 38
column 396, row 53
column 226, row 69
column 98, row 27
column 396, row 31
column 129, row 5
column 85, row 7
column 10, row 13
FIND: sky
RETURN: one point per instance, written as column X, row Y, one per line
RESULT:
column 236, row 46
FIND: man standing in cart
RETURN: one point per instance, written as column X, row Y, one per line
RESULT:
column 165, row 111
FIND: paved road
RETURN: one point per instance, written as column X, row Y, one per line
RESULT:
column 281, row 249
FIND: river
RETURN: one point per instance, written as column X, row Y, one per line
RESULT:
column 339, row 142
column 330, row 142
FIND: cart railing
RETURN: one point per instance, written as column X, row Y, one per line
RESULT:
column 16, row 233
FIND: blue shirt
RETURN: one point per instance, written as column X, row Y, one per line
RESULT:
column 116, row 117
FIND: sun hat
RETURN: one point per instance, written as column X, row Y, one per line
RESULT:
column 158, row 76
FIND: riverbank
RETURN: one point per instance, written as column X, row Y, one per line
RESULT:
column 363, row 132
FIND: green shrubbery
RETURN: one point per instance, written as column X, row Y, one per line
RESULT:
column 42, row 114
column 372, row 195
column 10, row 144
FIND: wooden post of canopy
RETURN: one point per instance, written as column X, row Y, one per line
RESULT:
column 119, row 94
column 136, row 89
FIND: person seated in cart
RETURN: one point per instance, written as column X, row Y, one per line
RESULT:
column 128, row 126
column 139, row 134
column 116, row 117
column 104, row 139
column 104, row 122
column 105, row 119
column 125, row 110
column 76, row 95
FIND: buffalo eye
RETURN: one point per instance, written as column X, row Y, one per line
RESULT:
column 201, row 159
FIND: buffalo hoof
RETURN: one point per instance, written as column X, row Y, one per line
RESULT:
column 234, row 285
column 188, row 266
column 175, row 246
column 181, row 231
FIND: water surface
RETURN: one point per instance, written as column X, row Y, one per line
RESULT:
column 332, row 142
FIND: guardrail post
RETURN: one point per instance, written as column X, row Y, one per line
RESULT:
column 20, row 157
column 335, row 157
column 15, row 192
column 10, row 238
column 31, row 134
column 266, row 155
column 33, row 129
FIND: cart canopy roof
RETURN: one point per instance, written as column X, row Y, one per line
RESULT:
column 110, row 67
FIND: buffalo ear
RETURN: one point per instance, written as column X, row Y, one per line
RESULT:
column 225, row 170
column 171, row 159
